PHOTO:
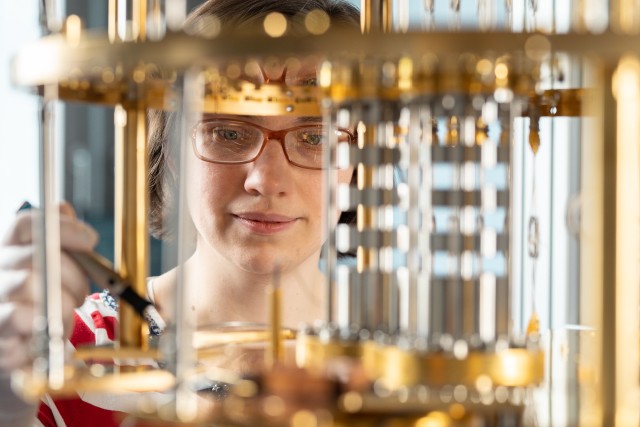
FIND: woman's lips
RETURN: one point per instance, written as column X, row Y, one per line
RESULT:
column 265, row 223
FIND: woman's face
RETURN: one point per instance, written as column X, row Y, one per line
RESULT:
column 260, row 215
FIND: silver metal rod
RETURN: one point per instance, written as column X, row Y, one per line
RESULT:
column 50, row 261
column 329, row 251
column 176, row 12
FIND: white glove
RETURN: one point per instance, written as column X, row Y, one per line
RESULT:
column 17, row 294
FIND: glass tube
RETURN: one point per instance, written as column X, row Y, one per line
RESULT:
column 49, row 362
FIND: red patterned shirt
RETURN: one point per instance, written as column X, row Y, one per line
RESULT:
column 95, row 324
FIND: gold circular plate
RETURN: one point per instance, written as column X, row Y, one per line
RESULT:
column 401, row 368
column 398, row 368
column 32, row 386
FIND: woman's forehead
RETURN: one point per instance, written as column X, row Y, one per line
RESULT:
column 291, row 72
column 266, row 121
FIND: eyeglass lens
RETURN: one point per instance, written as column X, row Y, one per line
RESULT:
column 222, row 141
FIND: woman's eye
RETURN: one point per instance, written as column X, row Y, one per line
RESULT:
column 311, row 81
column 312, row 138
column 226, row 134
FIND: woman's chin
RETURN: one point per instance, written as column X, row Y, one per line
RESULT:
column 259, row 262
column 261, row 268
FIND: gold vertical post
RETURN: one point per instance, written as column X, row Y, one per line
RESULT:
column 275, row 353
column 376, row 16
column 140, row 16
column 606, row 310
column 112, row 24
column 131, row 209
column 366, row 215
column 626, row 90
column 593, row 276
column 625, row 16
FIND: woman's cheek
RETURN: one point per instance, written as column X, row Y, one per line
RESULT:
column 344, row 175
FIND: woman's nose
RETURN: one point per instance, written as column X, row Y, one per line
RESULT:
column 270, row 173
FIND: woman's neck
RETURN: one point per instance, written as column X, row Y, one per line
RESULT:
column 221, row 292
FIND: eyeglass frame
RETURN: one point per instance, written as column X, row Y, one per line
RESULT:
column 267, row 134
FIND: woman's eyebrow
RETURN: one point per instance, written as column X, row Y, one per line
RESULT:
column 309, row 119
column 260, row 119
column 266, row 119
column 251, row 117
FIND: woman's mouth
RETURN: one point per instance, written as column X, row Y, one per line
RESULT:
column 267, row 224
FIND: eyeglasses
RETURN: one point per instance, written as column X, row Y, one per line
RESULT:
column 229, row 141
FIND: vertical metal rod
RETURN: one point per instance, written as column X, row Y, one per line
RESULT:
column 626, row 90
column 41, row 345
column 430, row 17
column 376, row 16
column 436, row 293
column 487, row 309
column 184, row 324
column 469, row 227
column 140, row 16
column 481, row 228
column 368, row 266
column 274, row 355
column 455, row 18
column 127, row 20
column 131, row 241
column 596, row 231
column 504, row 300
column 393, row 133
column 607, row 322
column 123, row 20
column 50, row 324
column 367, row 215
column 355, row 290
column 184, row 354
column 454, row 286
column 469, row 308
column 112, row 21
column 329, row 252
column 48, row 22
column 156, row 24
column 624, row 16
column 410, row 309
column 486, row 14
column 176, row 11
column 427, row 228
column 531, row 22
column 404, row 14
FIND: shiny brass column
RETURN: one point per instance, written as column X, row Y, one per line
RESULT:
column 612, row 247
column 366, row 219
column 376, row 16
column 625, row 16
column 626, row 295
column 131, row 213
column 595, row 243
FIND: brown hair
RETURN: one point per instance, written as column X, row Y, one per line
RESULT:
column 247, row 13
column 232, row 14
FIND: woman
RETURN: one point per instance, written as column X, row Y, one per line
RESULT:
column 255, row 215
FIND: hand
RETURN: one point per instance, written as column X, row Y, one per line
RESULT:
column 18, row 282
